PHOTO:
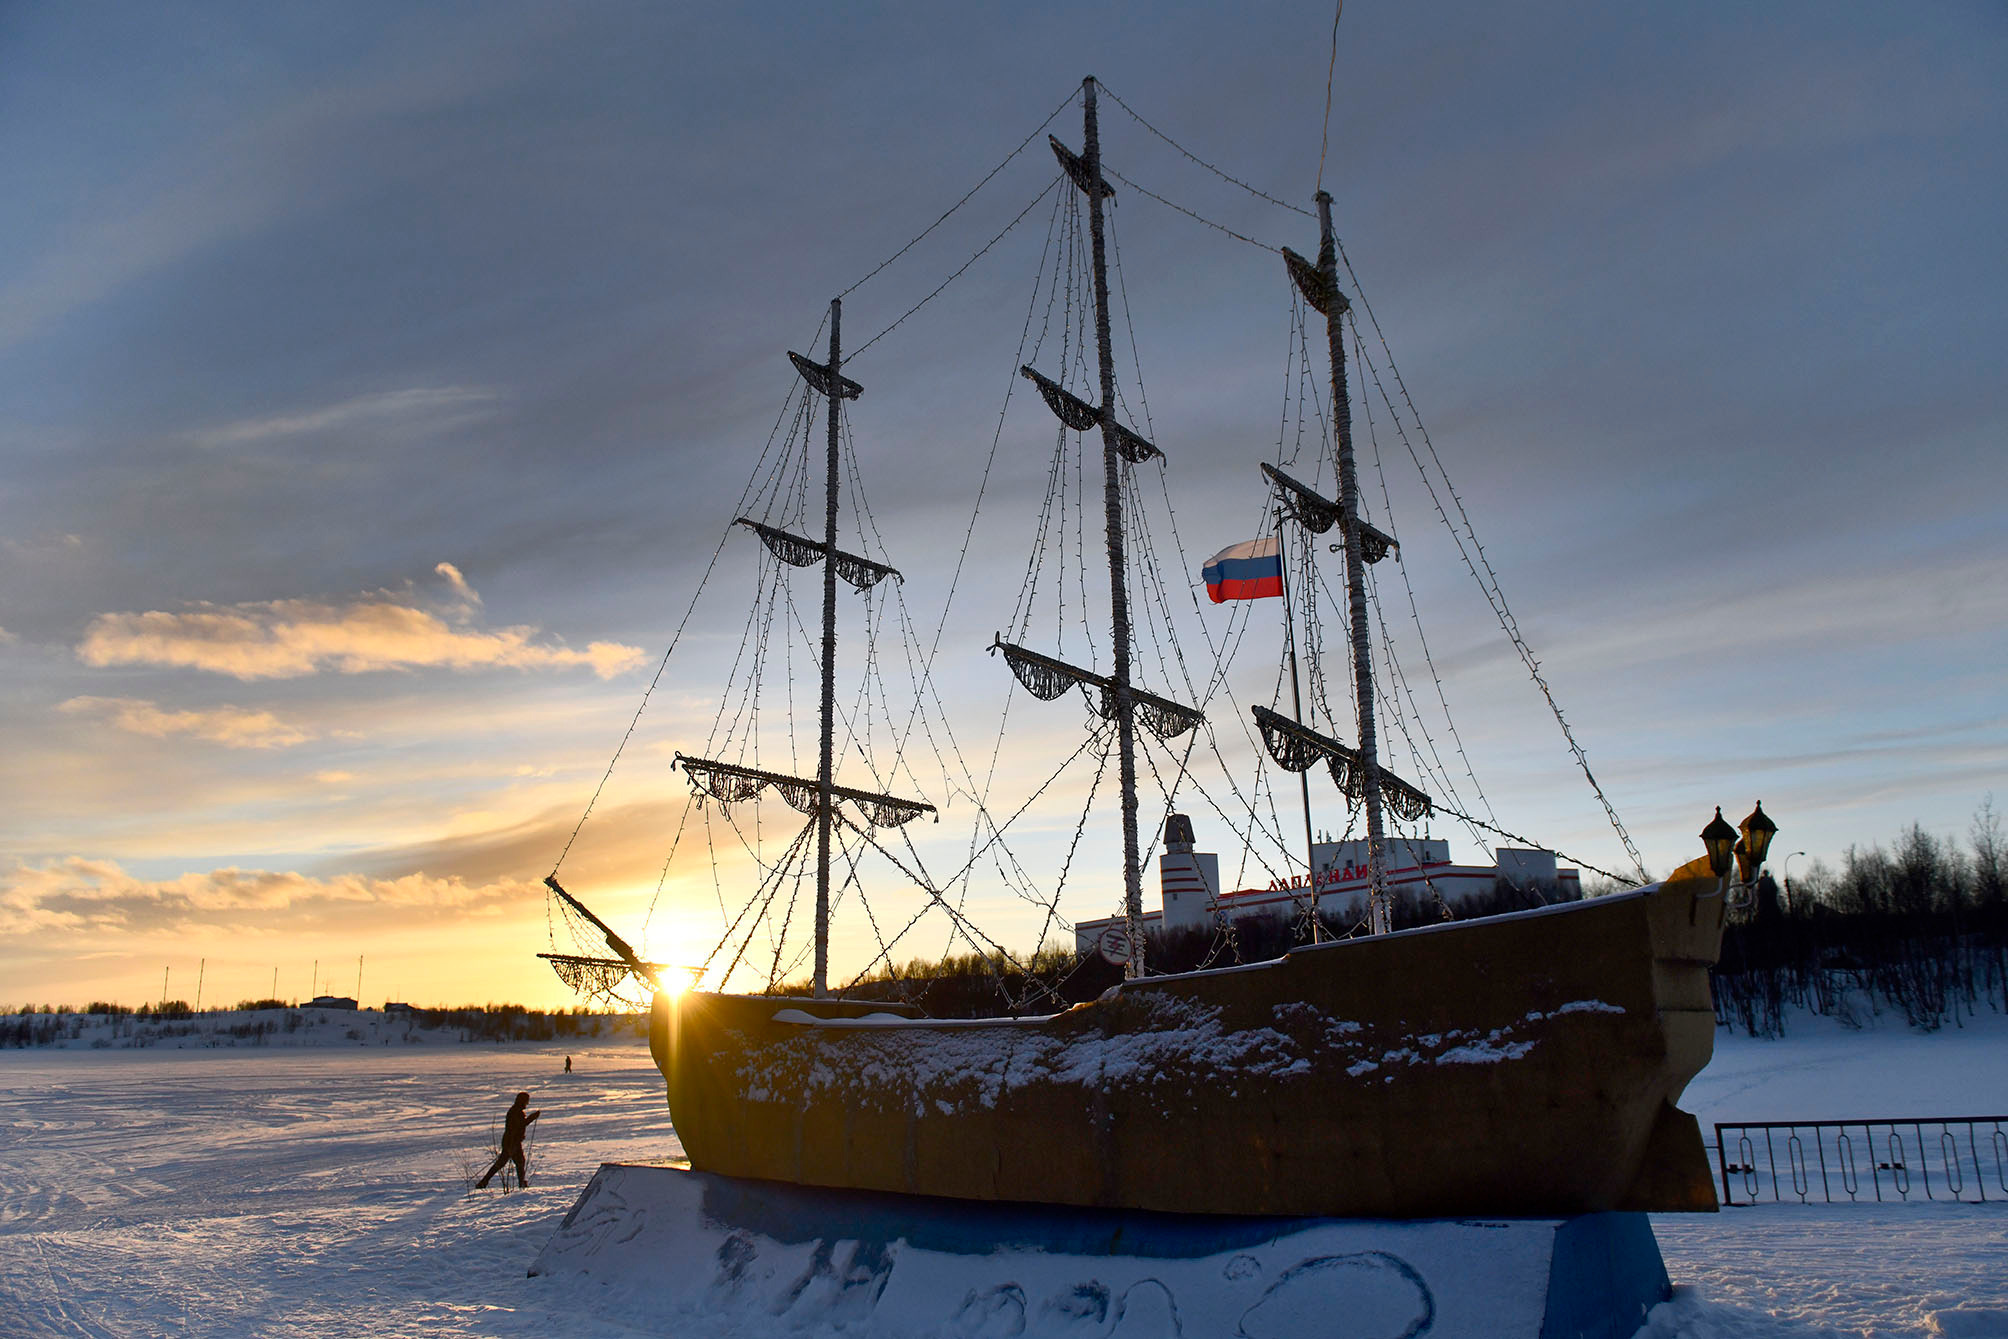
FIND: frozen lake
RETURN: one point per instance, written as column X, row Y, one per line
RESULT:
column 324, row 1191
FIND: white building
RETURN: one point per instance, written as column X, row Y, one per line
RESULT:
column 1417, row 867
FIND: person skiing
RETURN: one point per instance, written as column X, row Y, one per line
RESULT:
column 514, row 1125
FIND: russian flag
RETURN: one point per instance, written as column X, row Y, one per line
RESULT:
column 1250, row 571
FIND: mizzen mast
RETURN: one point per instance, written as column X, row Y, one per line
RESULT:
column 1357, row 771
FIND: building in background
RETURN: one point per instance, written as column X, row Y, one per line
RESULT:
column 1418, row 869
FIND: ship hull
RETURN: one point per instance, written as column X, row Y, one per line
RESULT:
column 1519, row 1065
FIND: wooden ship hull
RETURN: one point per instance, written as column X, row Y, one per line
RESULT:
column 1520, row 1065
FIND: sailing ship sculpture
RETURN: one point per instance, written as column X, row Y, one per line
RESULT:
column 1524, row 1064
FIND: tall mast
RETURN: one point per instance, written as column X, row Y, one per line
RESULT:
column 1046, row 678
column 827, row 758
column 1112, row 507
column 1379, row 914
column 731, row 782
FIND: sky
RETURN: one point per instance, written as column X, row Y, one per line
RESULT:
column 377, row 383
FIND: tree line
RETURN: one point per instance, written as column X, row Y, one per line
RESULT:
column 1918, row 929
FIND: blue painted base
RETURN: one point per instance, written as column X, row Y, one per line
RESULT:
column 666, row 1242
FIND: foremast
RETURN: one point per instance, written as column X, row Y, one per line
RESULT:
column 728, row 782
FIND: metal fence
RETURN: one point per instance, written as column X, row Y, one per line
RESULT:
column 1946, row 1159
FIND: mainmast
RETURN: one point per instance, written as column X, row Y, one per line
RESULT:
column 1045, row 677
column 826, row 758
column 1112, row 508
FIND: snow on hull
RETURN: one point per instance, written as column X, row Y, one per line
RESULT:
column 776, row 1258
column 1520, row 1066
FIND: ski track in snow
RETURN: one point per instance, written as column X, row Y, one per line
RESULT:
column 323, row 1192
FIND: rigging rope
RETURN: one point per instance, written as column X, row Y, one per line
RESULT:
column 1189, row 213
column 677, row 636
column 1072, row 96
column 960, row 270
column 1488, row 582
column 1330, row 70
column 1236, row 181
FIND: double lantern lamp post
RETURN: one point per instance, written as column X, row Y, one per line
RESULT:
column 1746, row 848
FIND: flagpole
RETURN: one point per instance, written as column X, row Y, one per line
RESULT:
column 1297, row 705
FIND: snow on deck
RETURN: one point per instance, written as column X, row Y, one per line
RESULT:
column 887, row 1062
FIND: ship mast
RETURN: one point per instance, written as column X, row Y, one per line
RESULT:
column 730, row 782
column 826, row 758
column 1047, row 678
column 1379, row 913
column 1112, row 508
column 1291, row 743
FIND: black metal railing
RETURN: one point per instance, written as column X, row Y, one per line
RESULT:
column 1960, row 1159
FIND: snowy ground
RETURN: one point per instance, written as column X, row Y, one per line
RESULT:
column 324, row 1192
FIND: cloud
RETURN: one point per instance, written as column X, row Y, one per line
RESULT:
column 461, row 590
column 438, row 406
column 380, row 630
column 6, row 637
column 232, row 727
column 80, row 895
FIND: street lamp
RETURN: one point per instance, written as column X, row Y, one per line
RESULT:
column 1788, row 878
column 1720, row 839
column 1758, row 830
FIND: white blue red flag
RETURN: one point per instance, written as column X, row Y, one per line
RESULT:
column 1250, row 571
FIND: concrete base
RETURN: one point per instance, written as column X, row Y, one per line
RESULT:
column 668, row 1244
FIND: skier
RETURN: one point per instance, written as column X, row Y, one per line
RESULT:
column 568, row 1064
column 514, row 1125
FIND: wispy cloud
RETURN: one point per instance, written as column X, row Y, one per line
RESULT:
column 1927, row 598
column 431, row 406
column 77, row 895
column 379, row 630
column 232, row 727
column 465, row 593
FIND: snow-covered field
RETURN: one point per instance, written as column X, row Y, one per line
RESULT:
column 324, row 1191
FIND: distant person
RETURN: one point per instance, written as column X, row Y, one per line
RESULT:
column 568, row 1064
column 514, row 1126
